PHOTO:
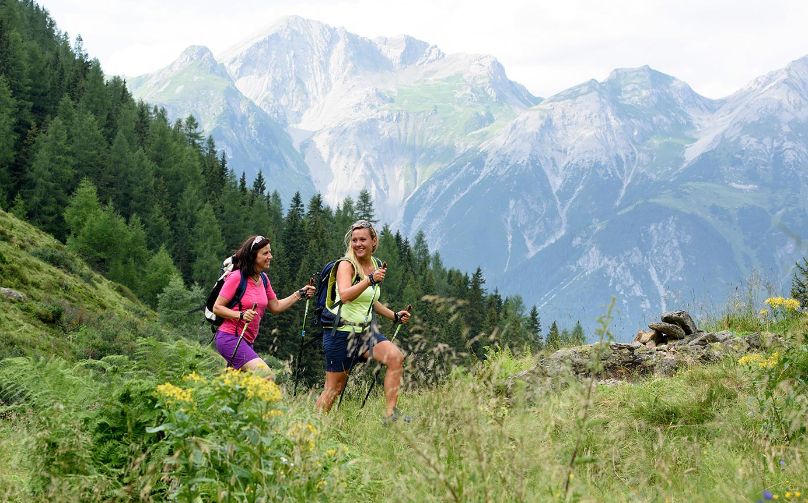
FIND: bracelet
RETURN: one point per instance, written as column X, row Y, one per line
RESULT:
column 241, row 315
column 301, row 293
column 396, row 318
column 370, row 279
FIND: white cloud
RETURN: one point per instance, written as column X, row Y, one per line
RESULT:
column 715, row 46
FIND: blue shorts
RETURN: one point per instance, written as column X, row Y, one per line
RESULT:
column 343, row 350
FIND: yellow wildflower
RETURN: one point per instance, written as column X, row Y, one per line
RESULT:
column 331, row 453
column 193, row 377
column 273, row 413
column 771, row 362
column 764, row 313
column 774, row 301
column 304, row 434
column 174, row 393
column 751, row 359
column 253, row 385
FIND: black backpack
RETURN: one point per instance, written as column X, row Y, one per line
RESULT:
column 227, row 268
column 324, row 304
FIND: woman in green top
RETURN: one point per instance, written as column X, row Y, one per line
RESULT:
column 358, row 288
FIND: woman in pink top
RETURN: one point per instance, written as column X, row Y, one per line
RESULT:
column 250, row 260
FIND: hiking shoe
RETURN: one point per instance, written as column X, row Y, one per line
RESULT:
column 396, row 416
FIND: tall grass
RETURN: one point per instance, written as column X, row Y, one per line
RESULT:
column 136, row 427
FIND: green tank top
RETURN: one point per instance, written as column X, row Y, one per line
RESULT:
column 358, row 311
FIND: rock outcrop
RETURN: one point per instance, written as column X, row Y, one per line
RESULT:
column 661, row 351
column 10, row 294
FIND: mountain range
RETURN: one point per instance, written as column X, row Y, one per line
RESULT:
column 635, row 187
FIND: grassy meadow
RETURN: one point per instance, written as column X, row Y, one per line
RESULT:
column 99, row 401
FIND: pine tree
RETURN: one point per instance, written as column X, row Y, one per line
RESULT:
column 364, row 207
column 190, row 128
column 8, row 138
column 390, row 252
column 534, row 326
column 90, row 153
column 259, row 186
column 242, row 184
column 578, row 338
column 207, row 247
column 316, row 228
column 553, row 337
column 799, row 283
column 182, row 227
column 174, row 302
column 159, row 271
column 50, row 179
column 125, row 168
column 102, row 240
column 566, row 338
column 420, row 253
column 18, row 208
column 475, row 310
column 137, row 187
column 275, row 213
column 130, row 256
column 82, row 206
column 344, row 216
column 158, row 228
column 214, row 174
column 233, row 214
column 94, row 99
column 294, row 240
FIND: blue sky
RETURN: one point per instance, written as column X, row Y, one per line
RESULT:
column 717, row 46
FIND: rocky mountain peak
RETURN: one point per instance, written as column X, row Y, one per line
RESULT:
column 405, row 51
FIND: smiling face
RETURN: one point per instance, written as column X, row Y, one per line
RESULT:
column 362, row 243
column 263, row 258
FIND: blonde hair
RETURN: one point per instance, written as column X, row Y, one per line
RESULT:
column 349, row 253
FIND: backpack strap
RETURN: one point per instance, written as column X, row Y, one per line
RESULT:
column 239, row 293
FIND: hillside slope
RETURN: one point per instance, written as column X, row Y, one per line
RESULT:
column 61, row 293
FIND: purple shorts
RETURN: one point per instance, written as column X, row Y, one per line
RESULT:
column 226, row 344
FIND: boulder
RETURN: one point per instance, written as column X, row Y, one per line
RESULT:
column 704, row 339
column 12, row 294
column 644, row 337
column 682, row 319
column 671, row 330
column 667, row 366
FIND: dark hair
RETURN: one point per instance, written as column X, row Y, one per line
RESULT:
column 244, row 258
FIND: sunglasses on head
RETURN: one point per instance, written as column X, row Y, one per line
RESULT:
column 257, row 240
column 361, row 224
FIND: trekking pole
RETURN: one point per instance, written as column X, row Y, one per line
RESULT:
column 353, row 357
column 302, row 337
column 378, row 367
column 238, row 342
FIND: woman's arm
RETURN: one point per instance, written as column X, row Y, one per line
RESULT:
column 345, row 276
column 276, row 306
column 221, row 310
column 381, row 309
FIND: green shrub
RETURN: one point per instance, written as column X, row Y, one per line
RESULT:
column 96, row 342
column 119, row 426
column 230, row 438
column 57, row 257
column 781, row 381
